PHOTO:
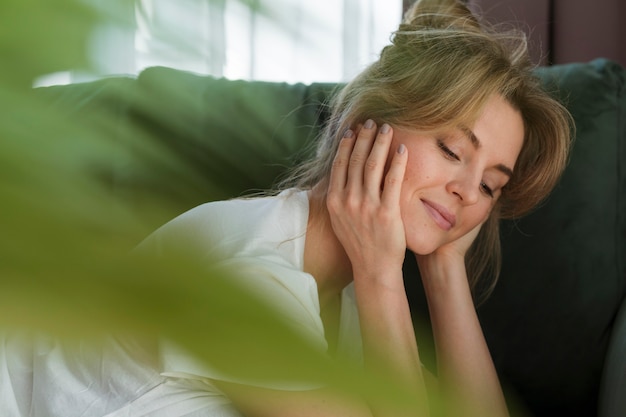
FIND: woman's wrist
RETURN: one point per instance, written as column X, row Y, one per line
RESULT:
column 379, row 278
column 440, row 265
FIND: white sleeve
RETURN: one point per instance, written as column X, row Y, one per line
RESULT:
column 292, row 293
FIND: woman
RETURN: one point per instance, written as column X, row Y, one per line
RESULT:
column 426, row 150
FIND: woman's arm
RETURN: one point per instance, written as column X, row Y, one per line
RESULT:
column 262, row 402
column 364, row 208
column 467, row 377
column 363, row 204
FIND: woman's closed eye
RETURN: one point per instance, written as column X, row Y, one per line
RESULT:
column 486, row 189
column 446, row 151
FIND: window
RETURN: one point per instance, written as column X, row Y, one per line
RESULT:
column 271, row 40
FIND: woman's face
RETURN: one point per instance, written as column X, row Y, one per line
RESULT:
column 453, row 179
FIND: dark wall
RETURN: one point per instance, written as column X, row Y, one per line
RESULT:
column 533, row 16
column 586, row 29
column 563, row 31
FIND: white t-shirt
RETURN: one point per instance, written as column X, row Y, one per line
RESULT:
column 261, row 238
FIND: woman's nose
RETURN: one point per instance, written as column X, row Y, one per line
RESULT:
column 466, row 188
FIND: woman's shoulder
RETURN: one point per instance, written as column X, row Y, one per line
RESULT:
column 252, row 207
column 228, row 226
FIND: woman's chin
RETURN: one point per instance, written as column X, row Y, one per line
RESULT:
column 422, row 249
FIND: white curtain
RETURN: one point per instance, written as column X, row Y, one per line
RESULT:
column 272, row 40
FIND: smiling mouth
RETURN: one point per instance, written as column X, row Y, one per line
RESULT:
column 442, row 217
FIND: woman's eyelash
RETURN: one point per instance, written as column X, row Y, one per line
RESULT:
column 447, row 151
column 486, row 189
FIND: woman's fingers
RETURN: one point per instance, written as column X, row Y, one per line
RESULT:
column 360, row 154
column 395, row 177
column 339, row 170
column 374, row 169
column 361, row 160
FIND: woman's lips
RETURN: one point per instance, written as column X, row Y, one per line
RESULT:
column 440, row 215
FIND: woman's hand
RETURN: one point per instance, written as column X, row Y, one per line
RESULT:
column 452, row 253
column 364, row 201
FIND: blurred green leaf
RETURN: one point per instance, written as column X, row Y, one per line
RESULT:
column 39, row 37
column 65, row 267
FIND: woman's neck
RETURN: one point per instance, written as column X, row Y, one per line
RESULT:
column 326, row 260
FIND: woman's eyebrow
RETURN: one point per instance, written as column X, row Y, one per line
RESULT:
column 505, row 170
column 469, row 135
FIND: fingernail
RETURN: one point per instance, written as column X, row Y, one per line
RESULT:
column 369, row 124
column 385, row 128
column 401, row 148
column 348, row 133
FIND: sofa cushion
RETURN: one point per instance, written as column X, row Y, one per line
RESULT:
column 222, row 138
column 613, row 384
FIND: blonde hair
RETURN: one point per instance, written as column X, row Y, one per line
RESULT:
column 441, row 68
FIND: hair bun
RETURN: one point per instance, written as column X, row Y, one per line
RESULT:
column 439, row 14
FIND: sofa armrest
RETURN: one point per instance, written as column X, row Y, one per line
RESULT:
column 612, row 401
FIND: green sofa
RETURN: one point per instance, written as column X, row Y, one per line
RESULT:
column 556, row 323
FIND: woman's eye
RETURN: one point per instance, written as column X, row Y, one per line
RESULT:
column 486, row 189
column 447, row 152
